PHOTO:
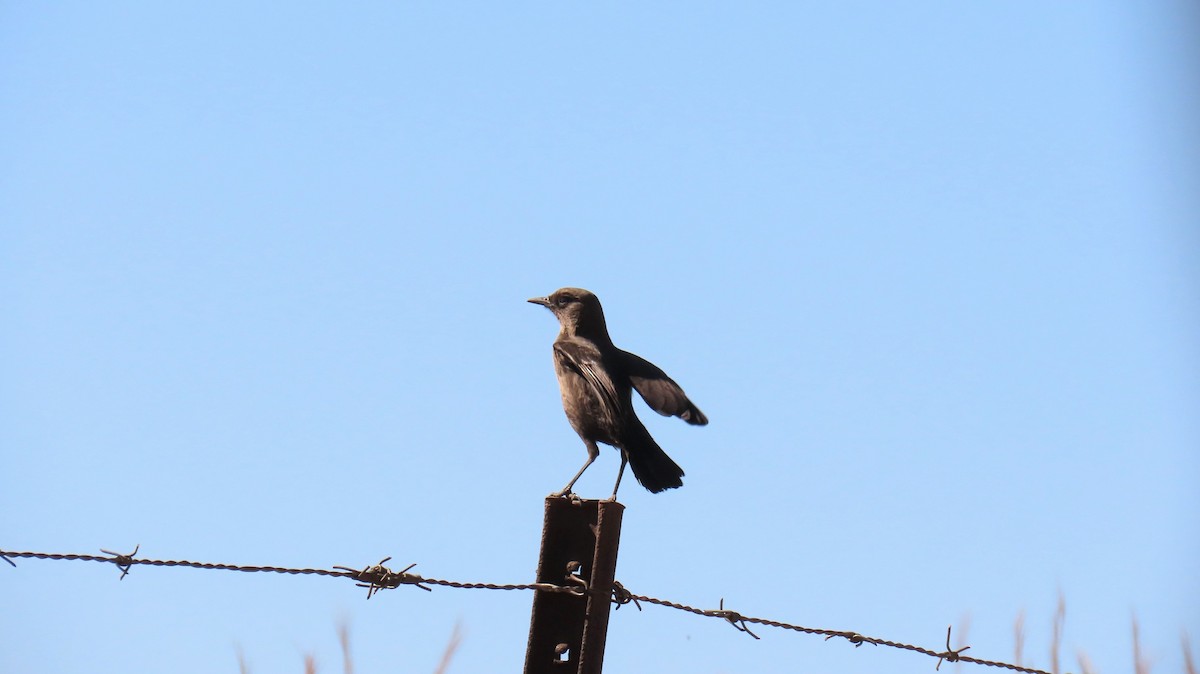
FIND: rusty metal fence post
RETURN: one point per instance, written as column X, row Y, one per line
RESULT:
column 579, row 549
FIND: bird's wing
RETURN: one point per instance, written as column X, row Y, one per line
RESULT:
column 585, row 361
column 659, row 391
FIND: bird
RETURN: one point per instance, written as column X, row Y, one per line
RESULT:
column 596, row 380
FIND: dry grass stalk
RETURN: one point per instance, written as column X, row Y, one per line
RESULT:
column 451, row 646
column 1140, row 665
column 1085, row 663
column 964, row 636
column 344, row 640
column 1188, row 663
column 1019, row 639
column 1060, row 616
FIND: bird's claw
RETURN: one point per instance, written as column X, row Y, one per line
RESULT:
column 568, row 495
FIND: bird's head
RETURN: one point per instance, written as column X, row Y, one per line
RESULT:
column 578, row 312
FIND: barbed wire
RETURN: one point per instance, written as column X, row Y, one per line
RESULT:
column 378, row 577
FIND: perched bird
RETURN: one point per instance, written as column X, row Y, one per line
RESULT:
column 596, row 380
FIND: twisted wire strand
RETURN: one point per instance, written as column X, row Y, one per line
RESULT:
column 853, row 637
column 133, row 561
column 379, row 577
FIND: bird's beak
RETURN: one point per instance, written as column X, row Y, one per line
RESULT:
column 544, row 301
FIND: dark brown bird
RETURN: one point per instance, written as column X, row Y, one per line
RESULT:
column 596, row 380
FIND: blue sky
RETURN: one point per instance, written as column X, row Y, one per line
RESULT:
column 931, row 270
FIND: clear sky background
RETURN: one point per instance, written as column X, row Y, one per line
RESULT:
column 931, row 269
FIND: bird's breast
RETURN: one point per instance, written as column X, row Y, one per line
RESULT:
column 589, row 412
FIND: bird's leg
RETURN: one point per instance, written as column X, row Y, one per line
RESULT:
column 620, row 472
column 593, row 452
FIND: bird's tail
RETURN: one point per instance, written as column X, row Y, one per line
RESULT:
column 651, row 465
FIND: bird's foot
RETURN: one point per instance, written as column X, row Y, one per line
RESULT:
column 572, row 497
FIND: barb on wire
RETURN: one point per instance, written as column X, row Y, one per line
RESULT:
column 949, row 655
column 378, row 577
column 854, row 638
column 734, row 618
column 123, row 562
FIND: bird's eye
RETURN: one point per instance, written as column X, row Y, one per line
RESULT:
column 562, row 300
